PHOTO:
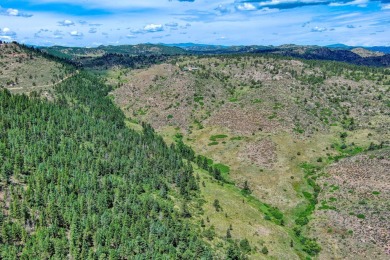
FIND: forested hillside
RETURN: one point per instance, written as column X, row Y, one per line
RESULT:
column 76, row 183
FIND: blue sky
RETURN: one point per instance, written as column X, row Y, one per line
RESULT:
column 224, row 22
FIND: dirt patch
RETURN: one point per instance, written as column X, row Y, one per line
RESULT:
column 243, row 121
column 354, row 207
column 261, row 153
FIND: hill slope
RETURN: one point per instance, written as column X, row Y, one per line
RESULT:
column 26, row 70
column 262, row 118
column 75, row 182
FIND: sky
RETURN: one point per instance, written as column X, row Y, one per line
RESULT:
column 90, row 23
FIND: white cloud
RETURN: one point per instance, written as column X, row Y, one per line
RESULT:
column 76, row 34
column 360, row 3
column 7, row 34
column 386, row 7
column 319, row 29
column 246, row 7
column 12, row 12
column 131, row 36
column 66, row 23
column 153, row 28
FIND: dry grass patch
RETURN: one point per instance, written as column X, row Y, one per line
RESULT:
column 353, row 207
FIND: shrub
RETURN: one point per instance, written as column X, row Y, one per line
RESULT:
column 245, row 246
column 361, row 216
column 215, row 137
column 302, row 221
column 311, row 247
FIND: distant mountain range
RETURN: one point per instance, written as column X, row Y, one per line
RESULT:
column 209, row 47
column 369, row 56
column 384, row 49
column 139, row 49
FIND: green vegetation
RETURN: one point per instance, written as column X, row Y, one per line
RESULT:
column 216, row 137
column 361, row 216
column 257, row 101
column 223, row 168
column 70, row 193
column 273, row 116
column 120, row 191
column 198, row 99
column 298, row 129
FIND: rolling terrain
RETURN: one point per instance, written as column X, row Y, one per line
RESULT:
column 254, row 155
column 280, row 125
column 89, row 57
column 140, row 49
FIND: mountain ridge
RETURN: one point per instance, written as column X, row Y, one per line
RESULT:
column 342, row 53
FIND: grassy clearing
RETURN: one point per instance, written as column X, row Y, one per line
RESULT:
column 246, row 216
column 223, row 168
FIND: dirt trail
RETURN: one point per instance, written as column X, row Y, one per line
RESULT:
column 45, row 86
